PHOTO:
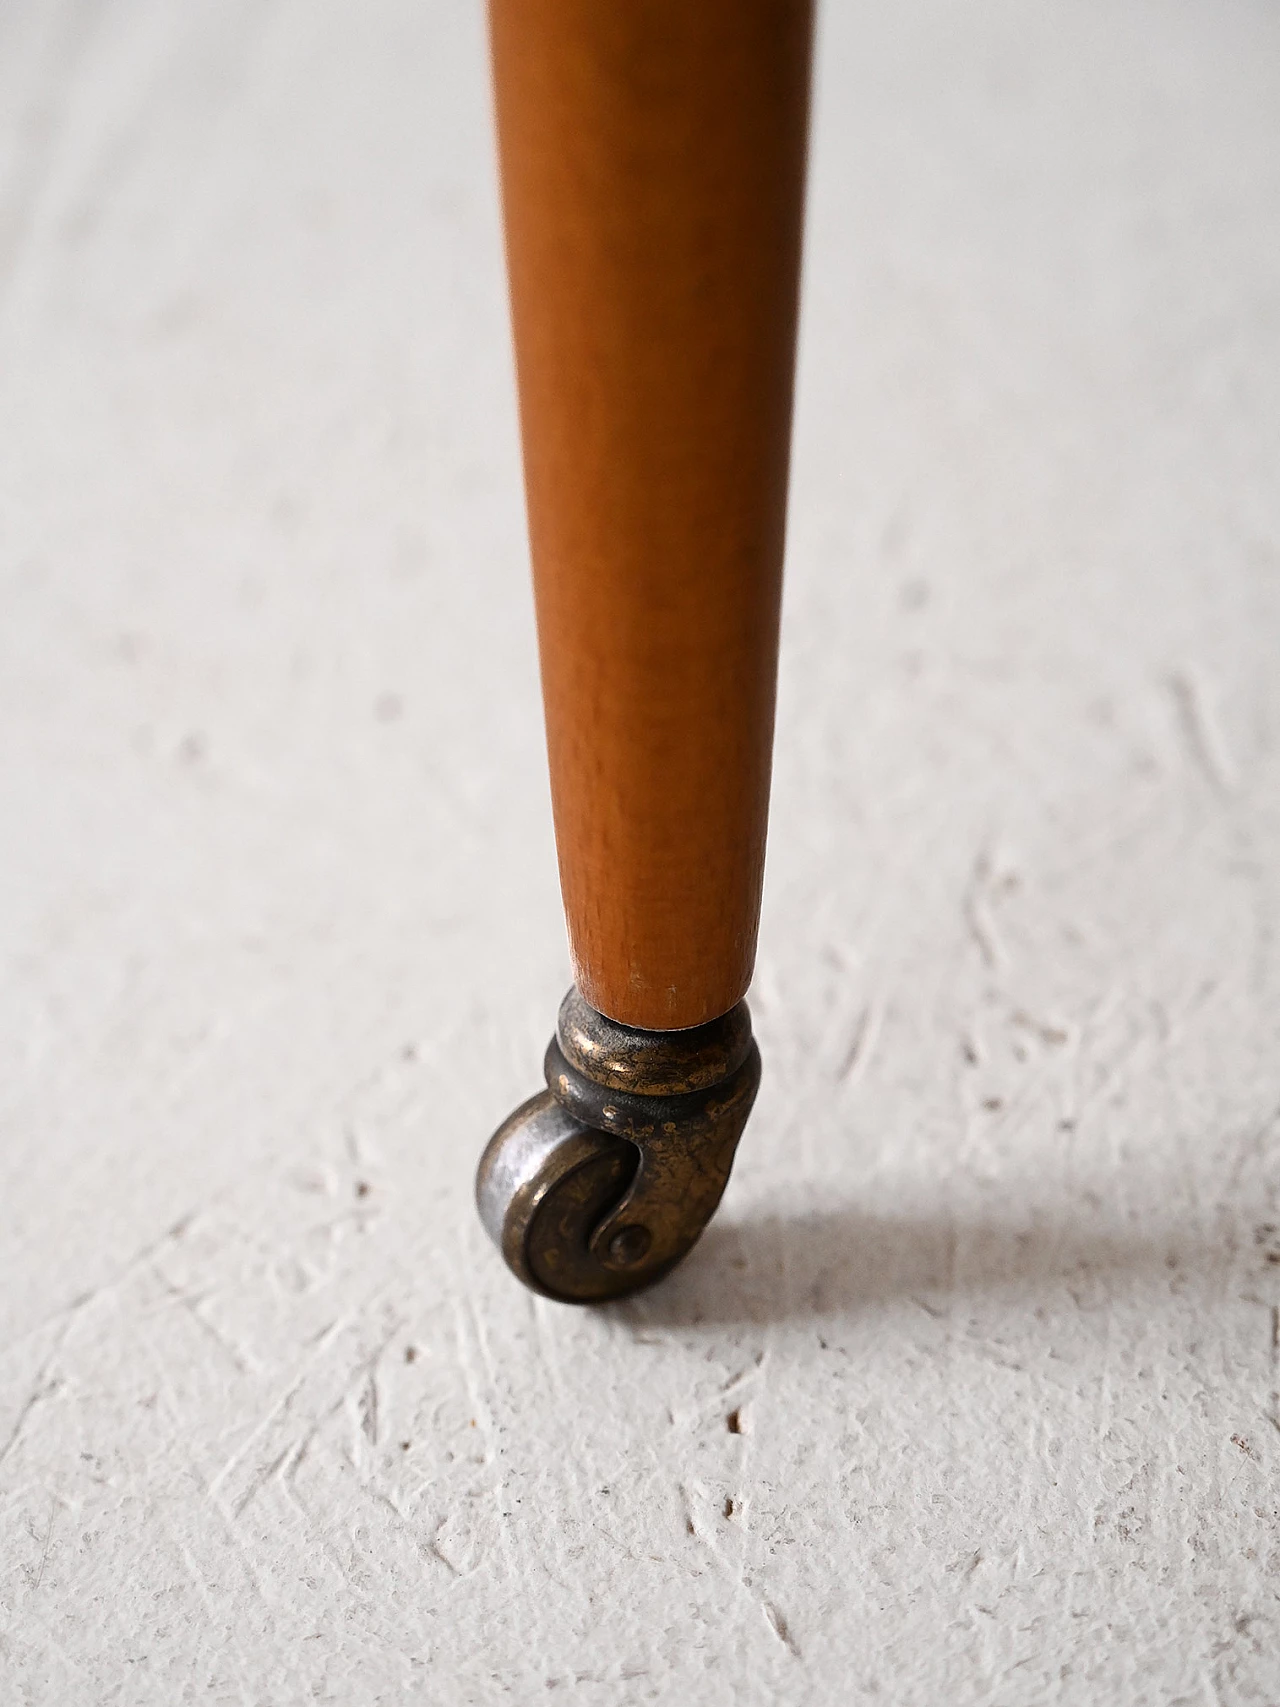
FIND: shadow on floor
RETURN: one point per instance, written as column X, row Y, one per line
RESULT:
column 775, row 1268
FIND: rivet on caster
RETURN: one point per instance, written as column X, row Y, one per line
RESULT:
column 600, row 1184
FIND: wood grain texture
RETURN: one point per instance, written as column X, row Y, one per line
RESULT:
column 652, row 167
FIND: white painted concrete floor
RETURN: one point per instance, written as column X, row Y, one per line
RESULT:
column 970, row 1393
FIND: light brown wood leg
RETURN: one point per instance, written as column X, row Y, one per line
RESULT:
column 652, row 157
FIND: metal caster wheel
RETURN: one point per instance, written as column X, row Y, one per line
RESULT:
column 600, row 1184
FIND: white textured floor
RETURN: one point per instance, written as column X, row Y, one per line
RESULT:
column 970, row 1394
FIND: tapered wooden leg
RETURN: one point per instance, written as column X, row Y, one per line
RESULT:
column 652, row 157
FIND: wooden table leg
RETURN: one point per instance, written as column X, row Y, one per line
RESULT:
column 652, row 158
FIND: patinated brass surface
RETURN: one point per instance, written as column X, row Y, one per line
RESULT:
column 599, row 1185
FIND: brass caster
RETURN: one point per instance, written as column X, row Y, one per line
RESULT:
column 597, row 1186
